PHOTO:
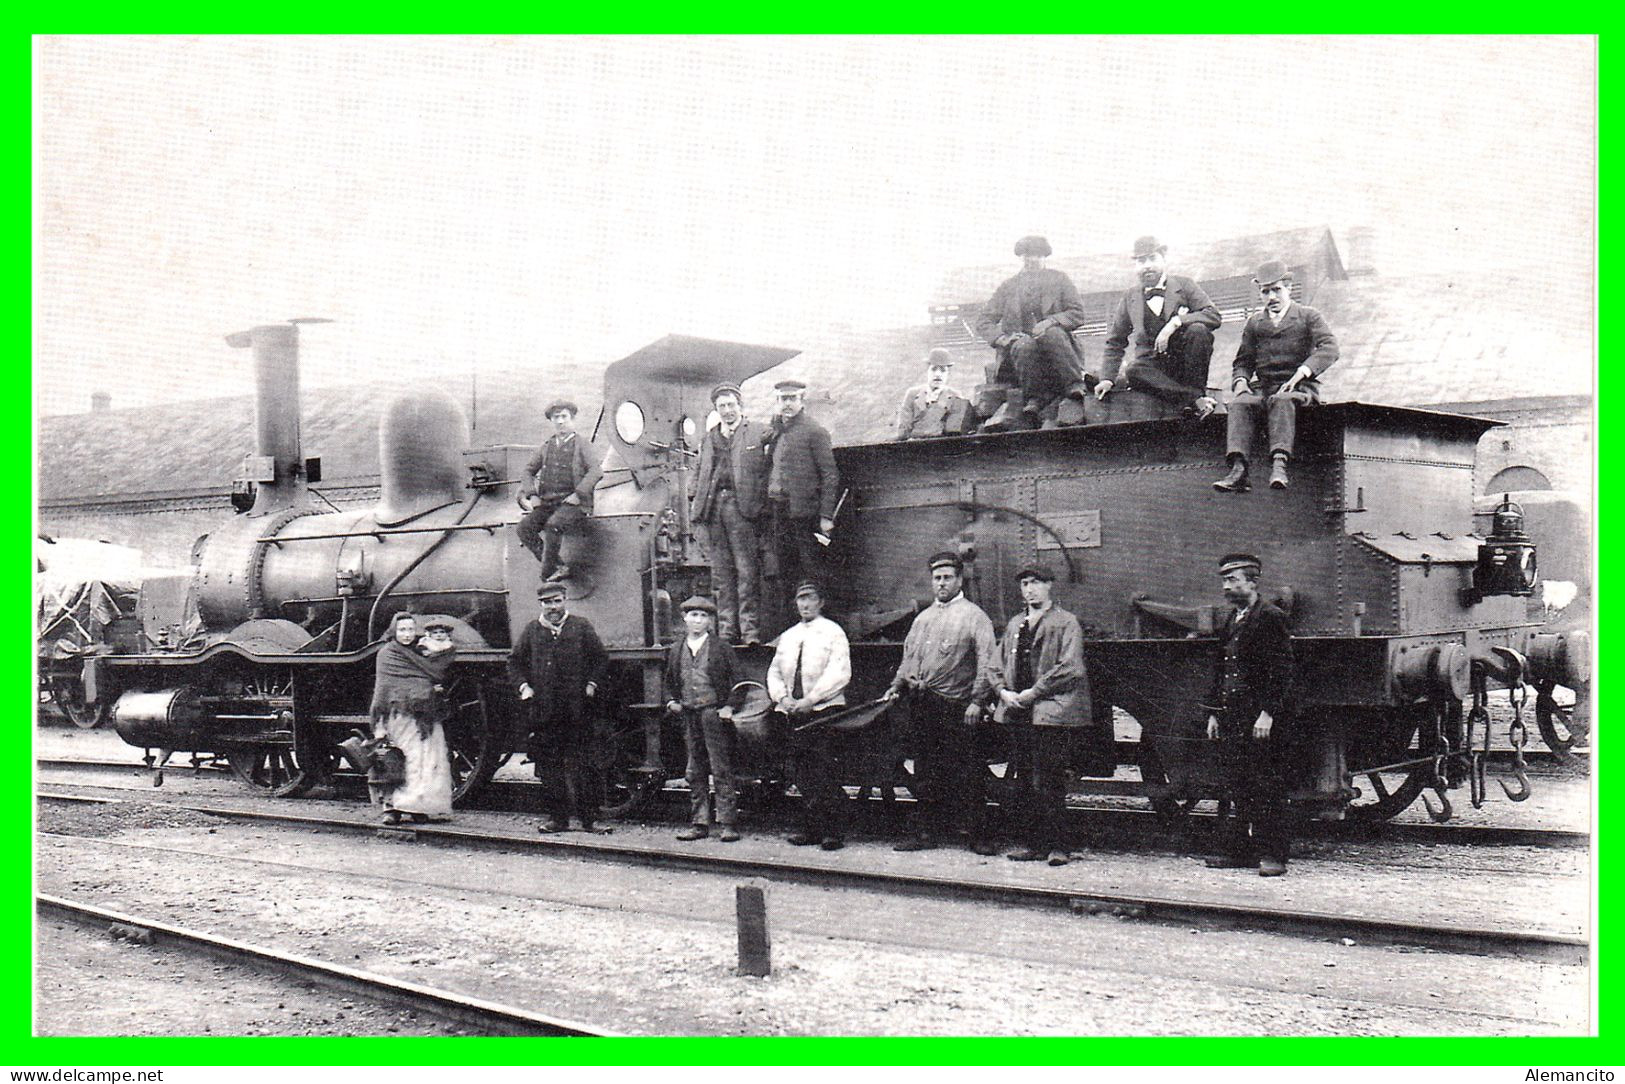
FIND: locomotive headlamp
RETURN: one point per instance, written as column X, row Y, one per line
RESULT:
column 1506, row 559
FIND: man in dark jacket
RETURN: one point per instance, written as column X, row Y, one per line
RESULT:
column 1029, row 322
column 803, row 488
column 558, row 665
column 1171, row 321
column 933, row 409
column 699, row 679
column 1283, row 349
column 730, row 490
column 557, row 490
column 1252, row 684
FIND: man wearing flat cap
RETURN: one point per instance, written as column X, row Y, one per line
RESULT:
column 1252, row 686
column 1029, row 321
column 556, row 492
column 699, row 679
column 1283, row 350
column 1043, row 691
column 803, row 489
column 730, row 492
column 557, row 666
column 933, row 409
column 1170, row 320
column 807, row 680
column 950, row 663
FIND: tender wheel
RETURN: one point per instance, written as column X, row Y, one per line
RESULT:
column 629, row 785
column 470, row 738
column 1380, row 795
column 69, row 695
column 1564, row 717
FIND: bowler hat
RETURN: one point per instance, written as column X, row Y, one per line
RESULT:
column 1033, row 245
column 939, row 356
column 1145, row 246
column 699, row 602
column 548, row 590
column 1232, row 561
column 1271, row 271
column 952, row 560
column 561, row 404
column 1035, row 572
column 727, row 388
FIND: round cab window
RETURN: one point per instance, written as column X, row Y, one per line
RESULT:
column 629, row 422
column 690, row 430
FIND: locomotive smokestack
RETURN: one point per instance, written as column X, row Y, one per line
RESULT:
column 277, row 465
column 421, row 438
column 100, row 401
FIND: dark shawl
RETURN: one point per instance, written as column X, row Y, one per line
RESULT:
column 405, row 681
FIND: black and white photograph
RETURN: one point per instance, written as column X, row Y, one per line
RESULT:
column 814, row 536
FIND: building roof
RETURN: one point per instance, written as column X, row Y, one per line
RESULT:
column 1113, row 272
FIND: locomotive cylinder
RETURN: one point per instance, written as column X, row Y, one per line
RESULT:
column 165, row 719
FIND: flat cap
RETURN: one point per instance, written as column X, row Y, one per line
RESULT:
column 439, row 624
column 1033, row 245
column 1271, row 271
column 699, row 602
column 952, row 560
column 1233, row 561
column 561, row 404
column 939, row 356
column 809, row 587
column 1145, row 246
column 727, row 388
column 1035, row 572
column 550, row 589
column 790, row 385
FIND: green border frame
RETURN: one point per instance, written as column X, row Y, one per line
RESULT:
column 19, row 1048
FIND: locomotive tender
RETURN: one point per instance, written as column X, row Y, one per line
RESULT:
column 261, row 655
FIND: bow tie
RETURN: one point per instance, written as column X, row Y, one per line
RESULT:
column 1156, row 291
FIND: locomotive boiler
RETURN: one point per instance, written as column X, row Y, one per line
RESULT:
column 1404, row 618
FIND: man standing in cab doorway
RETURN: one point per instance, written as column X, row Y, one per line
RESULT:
column 1252, row 683
column 557, row 490
column 1170, row 320
column 803, row 488
column 730, row 491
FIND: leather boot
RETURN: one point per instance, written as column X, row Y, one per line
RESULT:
column 1278, row 472
column 1236, row 480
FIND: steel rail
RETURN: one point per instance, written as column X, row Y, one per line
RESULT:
column 1309, row 923
column 447, row 1005
column 513, row 795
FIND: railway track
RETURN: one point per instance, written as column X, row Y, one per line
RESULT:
column 1085, row 819
column 455, row 1008
column 1138, row 905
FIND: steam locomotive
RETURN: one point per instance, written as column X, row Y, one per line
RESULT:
column 261, row 654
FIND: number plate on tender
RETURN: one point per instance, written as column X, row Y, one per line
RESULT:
column 1077, row 530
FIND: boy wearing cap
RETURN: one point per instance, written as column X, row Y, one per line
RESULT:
column 803, row 488
column 1029, row 322
column 1043, row 692
column 699, row 678
column 933, row 409
column 1251, row 686
column 1283, row 350
column 808, row 677
column 557, row 666
column 1171, row 320
column 729, row 493
column 557, row 489
column 949, row 665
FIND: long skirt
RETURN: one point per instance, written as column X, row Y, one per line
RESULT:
column 427, row 789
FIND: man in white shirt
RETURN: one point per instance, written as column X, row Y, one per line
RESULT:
column 807, row 678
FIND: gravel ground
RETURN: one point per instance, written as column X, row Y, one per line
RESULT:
column 96, row 985
column 649, row 951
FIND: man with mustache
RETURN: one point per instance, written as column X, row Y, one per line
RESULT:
column 1171, row 321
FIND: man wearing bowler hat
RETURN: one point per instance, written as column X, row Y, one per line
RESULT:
column 803, row 489
column 557, row 666
column 730, row 492
column 933, row 409
column 557, row 489
column 950, row 662
column 700, row 676
column 1029, row 322
column 1252, row 686
column 1283, row 350
column 807, row 680
column 1043, row 692
column 1171, row 321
